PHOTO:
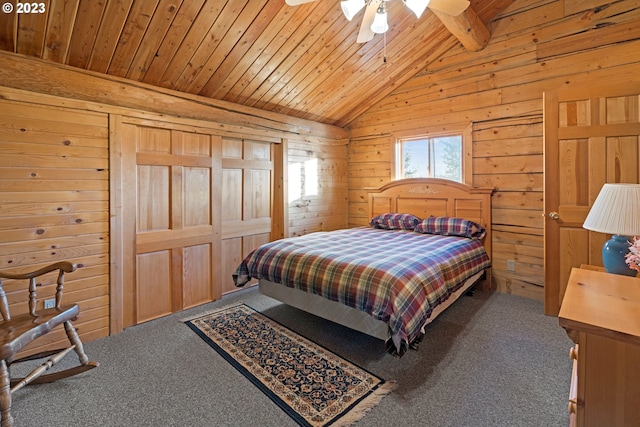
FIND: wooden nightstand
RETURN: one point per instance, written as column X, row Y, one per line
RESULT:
column 601, row 314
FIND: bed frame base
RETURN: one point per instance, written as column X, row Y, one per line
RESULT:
column 348, row 316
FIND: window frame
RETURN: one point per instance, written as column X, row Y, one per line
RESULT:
column 467, row 154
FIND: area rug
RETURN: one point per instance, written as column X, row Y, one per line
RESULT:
column 310, row 383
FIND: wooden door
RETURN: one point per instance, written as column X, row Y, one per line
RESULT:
column 171, row 207
column 248, row 194
column 591, row 138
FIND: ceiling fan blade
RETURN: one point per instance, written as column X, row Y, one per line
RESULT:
column 365, row 34
column 297, row 2
column 450, row 7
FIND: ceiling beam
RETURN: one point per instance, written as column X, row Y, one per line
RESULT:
column 467, row 27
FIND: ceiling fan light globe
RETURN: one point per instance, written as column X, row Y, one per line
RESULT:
column 417, row 6
column 379, row 24
column 351, row 7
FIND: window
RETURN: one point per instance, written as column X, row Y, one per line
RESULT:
column 430, row 156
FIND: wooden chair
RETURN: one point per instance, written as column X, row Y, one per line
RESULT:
column 18, row 331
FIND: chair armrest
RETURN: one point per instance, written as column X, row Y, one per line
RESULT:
column 62, row 267
column 65, row 266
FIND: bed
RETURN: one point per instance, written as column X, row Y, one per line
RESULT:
column 387, row 282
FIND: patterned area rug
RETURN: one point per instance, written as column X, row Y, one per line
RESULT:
column 313, row 385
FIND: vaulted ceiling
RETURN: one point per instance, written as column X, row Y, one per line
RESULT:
column 302, row 61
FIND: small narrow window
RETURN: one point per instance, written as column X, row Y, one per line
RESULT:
column 430, row 157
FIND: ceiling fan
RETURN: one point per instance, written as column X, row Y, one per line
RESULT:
column 374, row 20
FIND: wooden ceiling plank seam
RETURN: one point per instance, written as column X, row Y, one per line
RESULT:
column 202, row 25
column 217, row 33
column 221, row 63
column 367, row 57
column 299, row 56
column 31, row 32
column 227, row 44
column 302, row 56
column 171, row 42
column 399, row 66
column 428, row 42
column 62, row 17
column 132, row 34
column 114, row 19
column 348, row 49
column 277, row 50
column 334, row 47
column 85, row 30
column 353, row 113
column 218, row 88
column 161, row 21
column 317, row 82
column 352, row 65
column 435, row 49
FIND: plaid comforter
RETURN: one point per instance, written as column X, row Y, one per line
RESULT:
column 396, row 276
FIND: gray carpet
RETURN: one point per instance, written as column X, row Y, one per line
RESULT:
column 490, row 360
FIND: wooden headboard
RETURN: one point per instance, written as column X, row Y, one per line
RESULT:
column 424, row 197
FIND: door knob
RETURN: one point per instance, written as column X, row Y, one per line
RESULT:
column 554, row 215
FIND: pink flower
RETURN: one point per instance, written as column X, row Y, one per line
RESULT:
column 633, row 257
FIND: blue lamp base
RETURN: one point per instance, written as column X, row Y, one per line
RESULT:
column 613, row 253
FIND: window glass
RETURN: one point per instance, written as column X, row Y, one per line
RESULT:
column 431, row 157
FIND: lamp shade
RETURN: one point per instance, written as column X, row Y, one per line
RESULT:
column 417, row 6
column 616, row 210
column 351, row 7
column 379, row 24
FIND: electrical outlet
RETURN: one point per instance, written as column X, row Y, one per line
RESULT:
column 49, row 303
column 511, row 265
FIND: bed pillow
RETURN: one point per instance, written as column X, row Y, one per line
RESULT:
column 395, row 221
column 450, row 226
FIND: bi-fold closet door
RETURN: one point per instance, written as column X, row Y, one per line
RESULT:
column 193, row 204
column 248, row 195
column 171, row 199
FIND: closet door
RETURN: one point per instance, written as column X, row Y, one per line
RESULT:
column 171, row 206
column 248, row 194
column 591, row 138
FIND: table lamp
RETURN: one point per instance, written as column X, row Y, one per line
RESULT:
column 616, row 211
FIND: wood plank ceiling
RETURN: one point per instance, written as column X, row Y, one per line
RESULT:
column 302, row 61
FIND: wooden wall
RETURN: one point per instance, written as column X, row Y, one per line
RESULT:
column 61, row 146
column 54, row 206
column 536, row 45
column 322, row 169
